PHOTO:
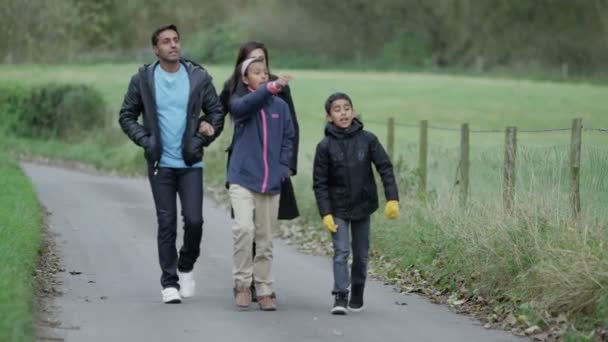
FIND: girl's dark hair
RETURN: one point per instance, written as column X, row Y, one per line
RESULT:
column 336, row 96
column 233, row 81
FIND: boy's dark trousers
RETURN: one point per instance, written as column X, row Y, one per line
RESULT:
column 166, row 185
column 342, row 244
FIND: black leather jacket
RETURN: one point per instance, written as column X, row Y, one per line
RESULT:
column 343, row 180
column 140, row 99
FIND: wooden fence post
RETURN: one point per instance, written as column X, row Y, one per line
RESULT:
column 575, row 166
column 508, row 180
column 422, row 156
column 464, row 164
column 390, row 145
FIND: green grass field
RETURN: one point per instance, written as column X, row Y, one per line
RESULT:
column 443, row 100
column 20, row 223
column 539, row 255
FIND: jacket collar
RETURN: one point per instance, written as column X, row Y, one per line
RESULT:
column 344, row 133
column 194, row 75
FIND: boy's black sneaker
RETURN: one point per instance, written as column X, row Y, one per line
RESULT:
column 356, row 298
column 340, row 303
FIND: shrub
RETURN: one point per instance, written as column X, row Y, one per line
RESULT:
column 12, row 101
column 63, row 111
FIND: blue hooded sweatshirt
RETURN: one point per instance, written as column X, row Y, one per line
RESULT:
column 262, row 142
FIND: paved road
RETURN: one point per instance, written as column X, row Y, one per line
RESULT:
column 105, row 229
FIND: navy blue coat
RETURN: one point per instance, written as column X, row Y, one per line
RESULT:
column 263, row 141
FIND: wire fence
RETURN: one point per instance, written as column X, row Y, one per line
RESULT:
column 519, row 130
column 562, row 172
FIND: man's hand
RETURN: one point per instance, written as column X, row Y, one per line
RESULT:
column 206, row 129
column 330, row 225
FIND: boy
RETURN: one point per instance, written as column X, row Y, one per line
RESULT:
column 346, row 195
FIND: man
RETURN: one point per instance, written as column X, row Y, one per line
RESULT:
column 170, row 94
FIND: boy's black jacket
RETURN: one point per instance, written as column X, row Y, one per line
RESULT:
column 343, row 180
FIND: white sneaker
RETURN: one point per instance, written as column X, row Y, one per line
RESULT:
column 171, row 296
column 187, row 284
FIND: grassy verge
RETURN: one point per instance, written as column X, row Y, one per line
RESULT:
column 20, row 223
column 98, row 151
column 538, row 263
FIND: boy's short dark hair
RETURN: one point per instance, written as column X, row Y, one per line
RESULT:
column 336, row 96
column 158, row 31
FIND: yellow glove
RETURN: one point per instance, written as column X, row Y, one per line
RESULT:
column 391, row 211
column 330, row 225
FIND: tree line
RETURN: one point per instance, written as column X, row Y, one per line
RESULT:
column 467, row 34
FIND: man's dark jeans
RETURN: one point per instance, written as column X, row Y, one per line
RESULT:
column 166, row 185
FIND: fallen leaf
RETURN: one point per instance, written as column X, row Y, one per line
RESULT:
column 459, row 302
column 540, row 337
column 522, row 319
column 532, row 330
column 511, row 320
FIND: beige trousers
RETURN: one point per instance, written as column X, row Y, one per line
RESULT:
column 255, row 216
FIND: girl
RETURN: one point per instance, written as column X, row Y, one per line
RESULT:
column 262, row 149
column 288, row 207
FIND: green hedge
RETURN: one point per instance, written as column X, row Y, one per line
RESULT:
column 64, row 111
column 12, row 102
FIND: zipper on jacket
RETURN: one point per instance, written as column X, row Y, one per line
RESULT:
column 345, row 151
column 155, row 168
column 265, row 149
column 148, row 84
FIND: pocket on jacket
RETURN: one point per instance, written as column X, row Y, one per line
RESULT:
column 365, row 193
column 194, row 149
column 150, row 148
column 247, row 167
column 338, row 196
column 368, row 198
